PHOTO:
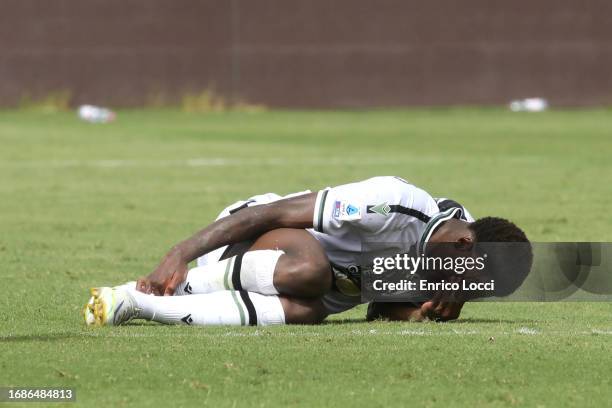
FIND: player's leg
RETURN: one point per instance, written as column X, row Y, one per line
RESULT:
column 114, row 306
column 303, row 311
column 284, row 261
column 303, row 269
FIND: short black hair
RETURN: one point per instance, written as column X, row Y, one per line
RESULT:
column 510, row 264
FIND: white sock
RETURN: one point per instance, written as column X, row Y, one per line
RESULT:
column 237, row 308
column 253, row 271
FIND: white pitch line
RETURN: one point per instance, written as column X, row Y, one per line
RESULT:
column 193, row 162
column 356, row 333
column 527, row 331
column 223, row 161
column 247, row 333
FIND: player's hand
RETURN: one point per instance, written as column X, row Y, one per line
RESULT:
column 166, row 277
column 444, row 306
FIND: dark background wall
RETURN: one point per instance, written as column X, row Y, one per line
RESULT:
column 308, row 53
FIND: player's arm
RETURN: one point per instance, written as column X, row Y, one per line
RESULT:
column 248, row 223
column 394, row 311
column 435, row 309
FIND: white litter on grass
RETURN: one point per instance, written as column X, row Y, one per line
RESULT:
column 527, row 331
column 96, row 114
column 529, row 105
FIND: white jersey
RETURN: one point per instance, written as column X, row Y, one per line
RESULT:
column 355, row 222
column 381, row 213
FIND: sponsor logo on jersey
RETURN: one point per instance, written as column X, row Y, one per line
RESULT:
column 345, row 211
column 351, row 210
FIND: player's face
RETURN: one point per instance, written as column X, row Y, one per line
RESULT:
column 449, row 249
column 455, row 232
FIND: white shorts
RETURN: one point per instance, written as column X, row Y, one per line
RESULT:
column 334, row 301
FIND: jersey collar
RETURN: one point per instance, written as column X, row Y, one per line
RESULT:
column 433, row 225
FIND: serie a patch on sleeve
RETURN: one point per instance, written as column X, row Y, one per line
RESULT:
column 346, row 211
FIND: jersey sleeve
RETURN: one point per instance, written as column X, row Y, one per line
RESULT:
column 374, row 205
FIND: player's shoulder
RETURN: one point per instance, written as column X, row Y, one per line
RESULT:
column 400, row 194
column 394, row 182
column 386, row 190
column 400, row 186
column 387, row 180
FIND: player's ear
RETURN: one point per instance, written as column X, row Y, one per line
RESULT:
column 464, row 243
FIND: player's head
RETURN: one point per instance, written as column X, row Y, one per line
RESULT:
column 509, row 252
column 494, row 229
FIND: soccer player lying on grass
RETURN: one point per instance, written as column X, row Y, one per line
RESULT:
column 285, row 260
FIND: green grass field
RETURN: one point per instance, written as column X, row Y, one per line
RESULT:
column 84, row 205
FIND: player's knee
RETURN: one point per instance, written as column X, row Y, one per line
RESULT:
column 312, row 277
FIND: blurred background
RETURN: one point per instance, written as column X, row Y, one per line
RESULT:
column 305, row 54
